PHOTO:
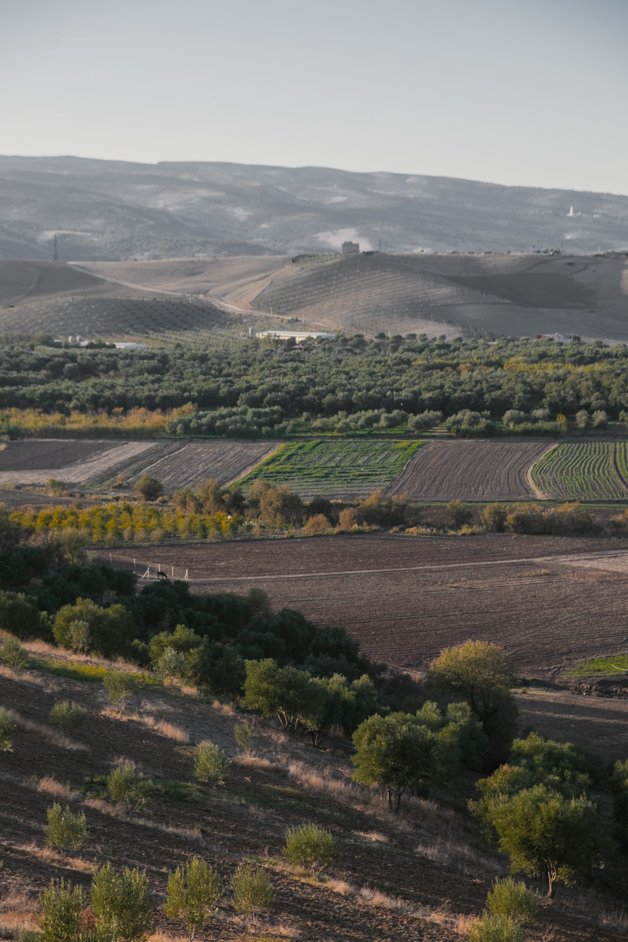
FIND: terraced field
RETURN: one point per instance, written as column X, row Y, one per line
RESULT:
column 338, row 468
column 584, row 471
column 470, row 470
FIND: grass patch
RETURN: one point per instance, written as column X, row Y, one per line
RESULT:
column 615, row 664
column 75, row 670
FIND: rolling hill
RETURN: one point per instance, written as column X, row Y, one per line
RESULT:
column 101, row 209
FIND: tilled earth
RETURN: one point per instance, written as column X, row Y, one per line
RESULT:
column 429, row 865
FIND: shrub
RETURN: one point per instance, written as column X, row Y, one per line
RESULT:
column 120, row 687
column 491, row 928
column 317, row 524
column 68, row 715
column 192, row 894
column 121, row 904
column 20, row 615
column 13, row 655
column 65, row 830
column 513, row 899
column 348, row 520
column 127, row 786
column 62, row 906
column 309, row 846
column 7, row 728
column 148, row 487
column 252, row 889
column 459, row 513
column 211, row 763
column 243, row 735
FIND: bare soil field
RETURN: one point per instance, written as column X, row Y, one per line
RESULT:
column 598, row 724
column 406, row 598
column 470, row 470
column 47, row 454
column 66, row 466
column 416, row 876
column 186, row 465
column 98, row 463
column 21, row 280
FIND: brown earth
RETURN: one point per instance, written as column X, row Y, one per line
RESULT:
column 98, row 463
column 470, row 470
column 418, row 877
column 405, row 598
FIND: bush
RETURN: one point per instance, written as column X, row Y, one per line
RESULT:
column 120, row 687
column 121, row 904
column 68, row 715
column 192, row 894
column 459, row 513
column 317, row 524
column 65, row 830
column 13, row 655
column 62, row 906
column 243, row 735
column 513, row 899
column 252, row 889
column 211, row 763
column 491, row 928
column 148, row 487
column 7, row 728
column 127, row 786
column 20, row 616
column 309, row 846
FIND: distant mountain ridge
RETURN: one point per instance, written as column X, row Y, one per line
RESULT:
column 101, row 209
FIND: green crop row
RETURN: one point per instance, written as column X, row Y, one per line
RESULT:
column 335, row 467
column 583, row 471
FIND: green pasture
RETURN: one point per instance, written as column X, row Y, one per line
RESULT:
column 335, row 467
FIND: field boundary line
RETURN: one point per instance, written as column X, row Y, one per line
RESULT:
column 440, row 567
column 541, row 495
column 251, row 467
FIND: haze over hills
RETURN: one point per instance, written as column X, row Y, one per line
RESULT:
column 101, row 209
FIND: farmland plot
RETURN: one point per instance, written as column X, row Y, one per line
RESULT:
column 47, row 454
column 336, row 468
column 470, row 470
column 187, row 465
column 76, row 470
column 404, row 599
column 584, row 471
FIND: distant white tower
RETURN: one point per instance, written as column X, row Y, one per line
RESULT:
column 571, row 212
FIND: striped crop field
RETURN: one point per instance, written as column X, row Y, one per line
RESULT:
column 583, row 471
column 340, row 468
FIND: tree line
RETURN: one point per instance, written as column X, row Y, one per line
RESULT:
column 343, row 384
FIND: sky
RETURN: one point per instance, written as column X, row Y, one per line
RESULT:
column 521, row 92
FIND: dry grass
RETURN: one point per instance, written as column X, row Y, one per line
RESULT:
column 50, row 786
column 458, row 856
column 373, row 837
column 22, row 677
column 18, row 912
column 160, row 726
column 51, row 735
column 248, row 760
column 339, row 886
column 377, row 900
column 51, row 856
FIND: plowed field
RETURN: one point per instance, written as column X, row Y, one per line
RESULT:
column 405, row 599
column 470, row 470
column 98, row 463
column 71, row 461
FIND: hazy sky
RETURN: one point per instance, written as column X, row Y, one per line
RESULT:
column 518, row 91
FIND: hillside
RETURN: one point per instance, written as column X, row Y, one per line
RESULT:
column 515, row 295
column 477, row 294
column 101, row 209
column 60, row 299
column 420, row 875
